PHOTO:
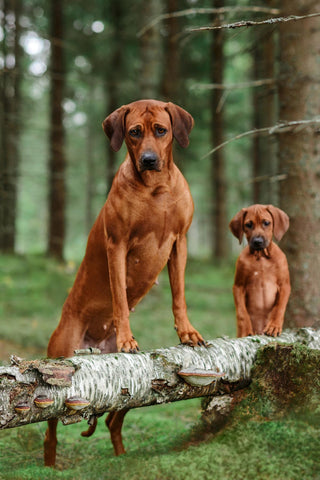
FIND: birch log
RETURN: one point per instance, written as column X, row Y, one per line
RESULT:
column 86, row 386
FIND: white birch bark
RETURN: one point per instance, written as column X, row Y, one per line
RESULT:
column 123, row 381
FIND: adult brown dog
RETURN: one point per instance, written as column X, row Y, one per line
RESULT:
column 141, row 228
column 262, row 284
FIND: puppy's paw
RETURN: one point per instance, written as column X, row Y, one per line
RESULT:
column 273, row 330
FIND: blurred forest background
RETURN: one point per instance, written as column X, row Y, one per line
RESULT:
column 249, row 70
column 66, row 65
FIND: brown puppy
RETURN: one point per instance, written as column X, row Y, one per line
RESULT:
column 262, row 284
column 141, row 228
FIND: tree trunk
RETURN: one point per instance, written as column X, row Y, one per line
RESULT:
column 34, row 391
column 299, row 156
column 219, row 187
column 171, row 78
column 10, row 126
column 57, row 163
column 113, row 74
column 90, row 173
column 264, row 104
column 150, row 51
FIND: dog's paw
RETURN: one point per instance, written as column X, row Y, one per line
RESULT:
column 192, row 338
column 128, row 346
column 273, row 330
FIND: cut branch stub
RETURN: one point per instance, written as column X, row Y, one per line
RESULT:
column 59, row 375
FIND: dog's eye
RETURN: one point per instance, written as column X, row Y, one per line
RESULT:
column 160, row 131
column 135, row 132
column 266, row 223
column 249, row 224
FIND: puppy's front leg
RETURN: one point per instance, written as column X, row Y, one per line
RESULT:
column 176, row 268
column 276, row 317
column 244, row 325
column 117, row 253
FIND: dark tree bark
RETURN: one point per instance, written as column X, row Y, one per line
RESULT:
column 171, row 68
column 114, row 71
column 90, row 177
column 10, row 126
column 219, row 213
column 151, row 52
column 264, row 103
column 57, row 162
column 299, row 157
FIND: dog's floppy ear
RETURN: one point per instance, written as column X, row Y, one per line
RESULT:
column 280, row 221
column 236, row 224
column 113, row 127
column 182, row 123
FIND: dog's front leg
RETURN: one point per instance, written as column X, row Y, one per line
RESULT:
column 244, row 325
column 117, row 253
column 176, row 267
column 276, row 317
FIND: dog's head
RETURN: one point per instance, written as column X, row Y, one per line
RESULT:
column 148, row 128
column 259, row 223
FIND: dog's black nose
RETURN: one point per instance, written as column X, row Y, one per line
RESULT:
column 258, row 243
column 149, row 161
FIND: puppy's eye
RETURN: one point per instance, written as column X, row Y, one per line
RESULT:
column 248, row 224
column 266, row 223
column 160, row 131
column 135, row 132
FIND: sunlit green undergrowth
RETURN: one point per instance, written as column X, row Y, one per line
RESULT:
column 163, row 442
column 157, row 445
column 34, row 288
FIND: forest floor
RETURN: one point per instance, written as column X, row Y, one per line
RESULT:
column 163, row 442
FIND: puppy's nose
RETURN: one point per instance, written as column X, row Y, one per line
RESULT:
column 149, row 160
column 258, row 243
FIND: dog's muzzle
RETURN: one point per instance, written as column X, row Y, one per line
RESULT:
column 149, row 161
column 258, row 243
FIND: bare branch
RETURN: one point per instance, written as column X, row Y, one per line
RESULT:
column 232, row 86
column 262, row 178
column 251, row 23
column 282, row 127
column 206, row 11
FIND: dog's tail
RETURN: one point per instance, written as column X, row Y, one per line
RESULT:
column 92, row 428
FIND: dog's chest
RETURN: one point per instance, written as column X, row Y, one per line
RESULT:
column 262, row 285
column 161, row 216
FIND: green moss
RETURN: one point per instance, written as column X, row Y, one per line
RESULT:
column 286, row 379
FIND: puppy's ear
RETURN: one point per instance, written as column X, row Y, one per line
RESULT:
column 182, row 123
column 113, row 127
column 236, row 224
column 280, row 221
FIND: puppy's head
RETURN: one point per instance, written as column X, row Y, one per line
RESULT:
column 259, row 223
column 148, row 128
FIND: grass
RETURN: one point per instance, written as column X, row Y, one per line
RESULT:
column 163, row 442
column 34, row 288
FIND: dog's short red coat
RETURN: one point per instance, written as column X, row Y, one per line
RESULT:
column 141, row 228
